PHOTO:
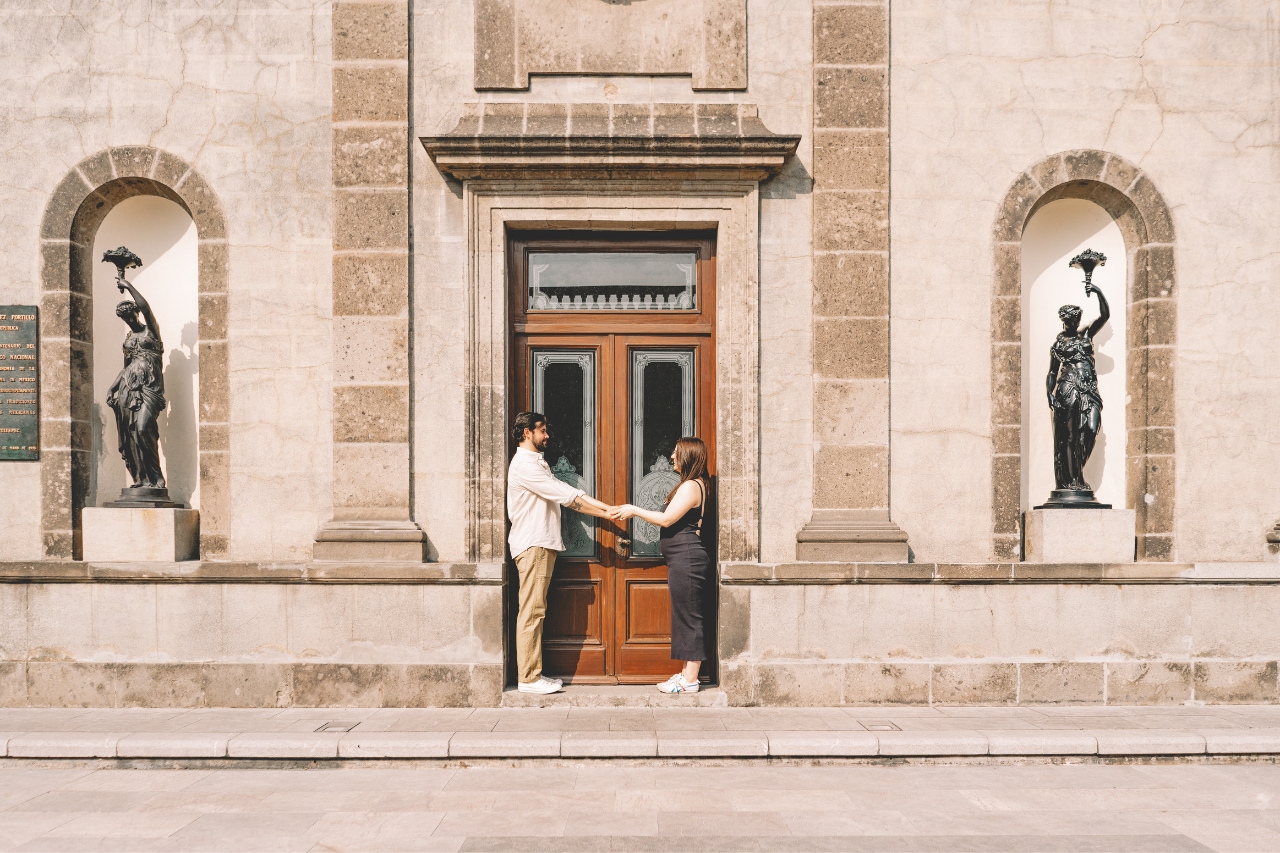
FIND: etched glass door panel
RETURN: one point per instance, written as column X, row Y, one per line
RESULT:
column 662, row 390
column 613, row 281
column 564, row 386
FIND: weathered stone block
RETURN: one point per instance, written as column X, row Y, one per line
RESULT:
column 1148, row 683
column 370, row 93
column 886, row 683
column 850, row 97
column 975, row 684
column 1080, row 535
column 850, row 35
column 118, row 535
column 1236, row 682
column 1061, row 683
column 371, row 413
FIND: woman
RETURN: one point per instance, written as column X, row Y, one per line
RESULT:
column 137, row 395
column 1072, row 389
column 688, row 563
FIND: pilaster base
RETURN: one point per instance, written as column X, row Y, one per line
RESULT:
column 148, row 535
column 377, row 540
column 1080, row 535
column 851, row 535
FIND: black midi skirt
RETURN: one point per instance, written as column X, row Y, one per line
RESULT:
column 688, row 572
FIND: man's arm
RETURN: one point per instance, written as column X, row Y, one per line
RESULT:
column 545, row 485
column 588, row 505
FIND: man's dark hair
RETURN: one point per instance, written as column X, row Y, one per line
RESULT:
column 524, row 421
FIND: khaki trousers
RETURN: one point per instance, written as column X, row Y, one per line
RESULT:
column 534, row 565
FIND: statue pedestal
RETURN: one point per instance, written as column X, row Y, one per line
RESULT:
column 127, row 535
column 1080, row 535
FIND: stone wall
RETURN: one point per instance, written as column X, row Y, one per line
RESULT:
column 932, row 640
column 251, row 645
column 240, row 92
column 1186, row 94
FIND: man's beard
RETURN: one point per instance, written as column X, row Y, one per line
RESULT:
column 541, row 448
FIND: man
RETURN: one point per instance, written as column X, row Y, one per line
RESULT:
column 534, row 498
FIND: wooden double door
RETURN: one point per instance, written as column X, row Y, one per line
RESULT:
column 618, row 386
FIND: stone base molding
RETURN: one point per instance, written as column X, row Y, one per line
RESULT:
column 790, row 634
column 852, row 534
column 76, row 207
column 70, row 684
column 1130, row 196
column 898, row 682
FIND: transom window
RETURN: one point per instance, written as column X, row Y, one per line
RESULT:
column 598, row 271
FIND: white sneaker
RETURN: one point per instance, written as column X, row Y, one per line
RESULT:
column 543, row 685
column 678, row 685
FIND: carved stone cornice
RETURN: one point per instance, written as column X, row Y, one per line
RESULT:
column 578, row 141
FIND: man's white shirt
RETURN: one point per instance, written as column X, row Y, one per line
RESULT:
column 534, row 498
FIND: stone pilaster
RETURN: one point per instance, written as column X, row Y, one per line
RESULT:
column 370, row 287
column 851, row 288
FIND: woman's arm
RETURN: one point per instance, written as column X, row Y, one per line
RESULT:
column 1104, row 311
column 687, row 497
column 144, row 307
column 1052, row 379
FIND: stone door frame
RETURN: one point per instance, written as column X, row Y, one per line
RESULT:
column 731, row 208
column 71, row 219
column 1130, row 196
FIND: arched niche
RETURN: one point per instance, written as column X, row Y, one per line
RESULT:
column 163, row 235
column 72, row 218
column 1139, row 212
column 1055, row 234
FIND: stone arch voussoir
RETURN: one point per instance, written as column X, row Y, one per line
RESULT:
column 71, row 218
column 1133, row 201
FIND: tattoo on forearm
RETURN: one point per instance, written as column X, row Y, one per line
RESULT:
column 577, row 504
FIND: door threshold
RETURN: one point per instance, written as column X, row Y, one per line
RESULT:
column 615, row 696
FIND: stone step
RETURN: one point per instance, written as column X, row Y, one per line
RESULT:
column 313, row 746
column 615, row 696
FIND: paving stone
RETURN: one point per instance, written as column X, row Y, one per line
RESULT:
column 395, row 745
column 602, row 744
column 1149, row 742
column 823, row 743
column 932, row 743
column 284, row 745
column 505, row 745
column 64, row 745
column 1241, row 741
column 1040, row 743
column 173, row 745
column 691, row 744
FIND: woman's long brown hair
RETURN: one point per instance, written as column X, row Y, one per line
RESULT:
column 691, row 459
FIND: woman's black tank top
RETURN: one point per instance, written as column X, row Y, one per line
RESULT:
column 689, row 524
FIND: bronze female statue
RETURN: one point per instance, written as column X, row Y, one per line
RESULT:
column 137, row 395
column 1072, row 389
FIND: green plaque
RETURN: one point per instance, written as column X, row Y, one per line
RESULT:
column 19, row 383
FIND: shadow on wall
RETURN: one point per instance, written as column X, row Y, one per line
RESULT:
column 163, row 235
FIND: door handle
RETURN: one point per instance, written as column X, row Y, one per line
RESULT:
column 624, row 547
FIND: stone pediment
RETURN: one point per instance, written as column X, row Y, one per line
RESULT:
column 532, row 140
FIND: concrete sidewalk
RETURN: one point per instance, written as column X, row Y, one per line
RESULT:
column 569, row 732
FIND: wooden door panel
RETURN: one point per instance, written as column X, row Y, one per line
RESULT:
column 573, row 613
column 648, row 616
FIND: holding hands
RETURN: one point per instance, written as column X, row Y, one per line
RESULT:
column 622, row 513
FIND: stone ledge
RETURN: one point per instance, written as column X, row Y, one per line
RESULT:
column 220, row 571
column 307, row 746
column 519, row 140
column 805, row 573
